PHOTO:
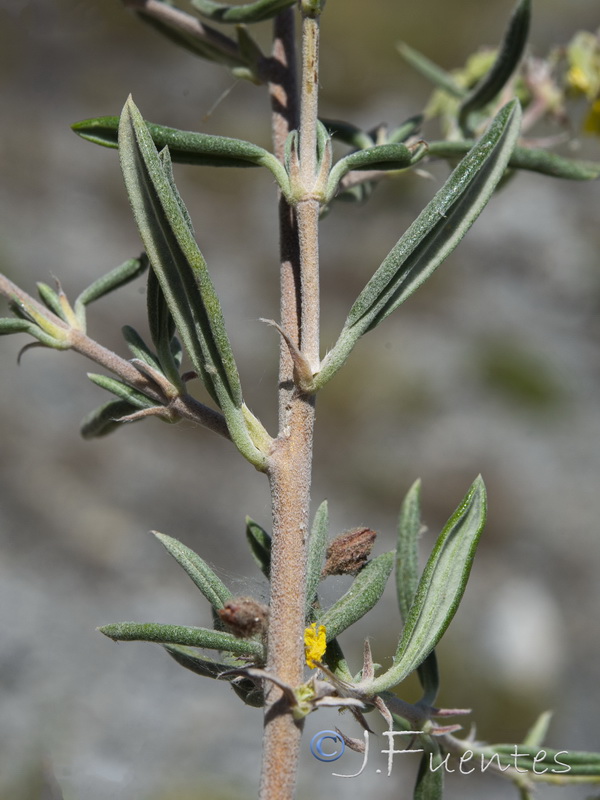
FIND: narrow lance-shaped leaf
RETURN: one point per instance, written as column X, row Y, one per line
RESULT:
column 190, row 659
column 122, row 390
column 364, row 593
column 211, row 586
column 105, row 419
column 188, row 147
column 182, row 634
column 431, row 238
column 245, row 13
column 10, row 325
column 50, row 298
column 532, row 159
column 407, row 580
column 182, row 274
column 317, row 546
column 207, row 668
column 139, row 348
column 175, row 258
column 188, row 32
column 509, row 54
column 408, row 128
column 381, row 157
column 114, row 279
column 407, row 551
column 162, row 328
column 438, row 76
column 440, row 589
column 536, row 735
column 260, row 545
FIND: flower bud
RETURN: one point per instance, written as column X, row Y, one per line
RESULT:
column 244, row 616
column 349, row 552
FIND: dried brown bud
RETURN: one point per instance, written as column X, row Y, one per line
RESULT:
column 349, row 552
column 244, row 616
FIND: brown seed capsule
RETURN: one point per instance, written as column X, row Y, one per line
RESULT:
column 349, row 552
column 244, row 616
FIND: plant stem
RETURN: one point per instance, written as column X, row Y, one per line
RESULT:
column 307, row 210
column 283, row 93
column 291, row 458
column 184, row 405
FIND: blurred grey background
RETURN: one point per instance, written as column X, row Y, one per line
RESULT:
column 492, row 367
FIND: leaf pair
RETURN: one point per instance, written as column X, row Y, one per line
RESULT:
column 428, row 604
column 182, row 274
column 179, row 641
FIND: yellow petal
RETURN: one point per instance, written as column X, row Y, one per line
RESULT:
column 314, row 644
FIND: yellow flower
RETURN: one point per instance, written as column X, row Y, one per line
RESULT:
column 314, row 644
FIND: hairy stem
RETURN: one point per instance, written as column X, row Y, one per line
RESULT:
column 291, row 458
column 184, row 405
column 307, row 210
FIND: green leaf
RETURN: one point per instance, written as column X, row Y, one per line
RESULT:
column 317, row 546
column 334, row 658
column 539, row 730
column 167, row 165
column 436, row 75
column 407, row 580
column 188, row 147
column 243, row 687
column 407, row 129
column 365, row 591
column 430, row 778
column 201, row 40
column 532, row 159
column 407, row 550
column 162, row 330
column 211, row 586
column 245, row 13
column 440, row 589
column 120, row 276
column 260, row 545
column 50, row 299
column 139, row 348
column 381, row 157
column 182, row 634
column 183, row 275
column 431, row 238
column 189, row 659
column 509, row 55
column 122, row 390
column 10, row 325
column 105, row 420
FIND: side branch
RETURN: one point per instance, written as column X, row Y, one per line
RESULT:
column 66, row 337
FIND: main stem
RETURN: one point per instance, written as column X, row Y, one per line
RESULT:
column 291, row 458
